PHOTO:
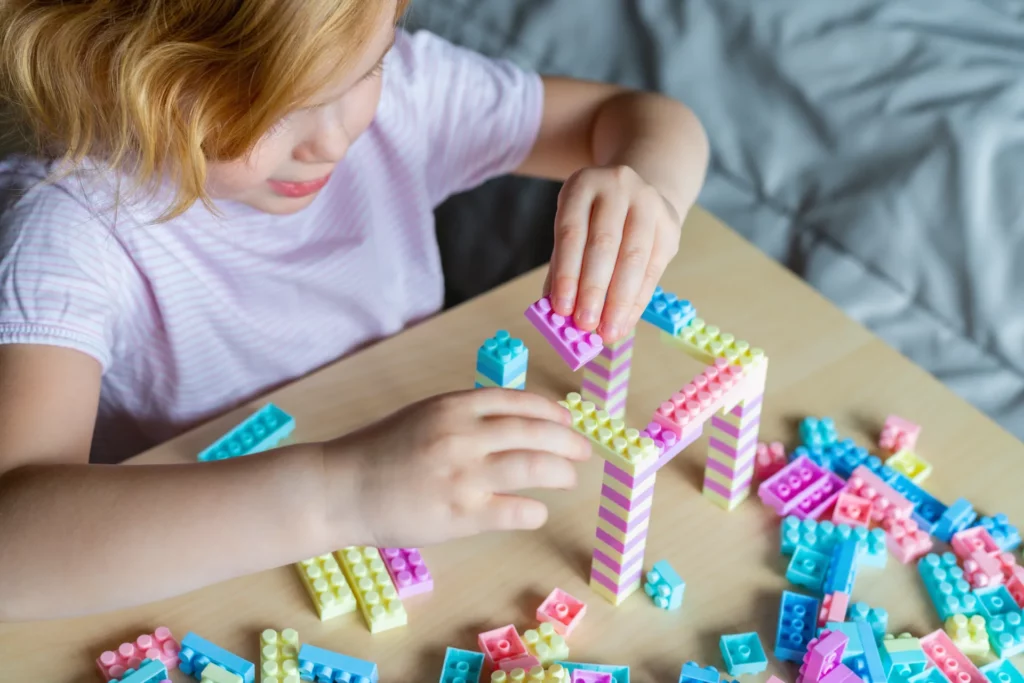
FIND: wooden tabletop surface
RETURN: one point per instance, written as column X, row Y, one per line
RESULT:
column 821, row 363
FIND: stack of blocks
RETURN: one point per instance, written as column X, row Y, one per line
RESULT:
column 606, row 378
column 732, row 451
column 501, row 361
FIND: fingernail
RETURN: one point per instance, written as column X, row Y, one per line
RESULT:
column 588, row 317
column 611, row 332
column 564, row 304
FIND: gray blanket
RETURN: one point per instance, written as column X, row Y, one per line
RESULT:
column 876, row 147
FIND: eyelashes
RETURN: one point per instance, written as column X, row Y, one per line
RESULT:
column 279, row 126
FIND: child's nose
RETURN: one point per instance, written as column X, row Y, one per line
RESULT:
column 329, row 142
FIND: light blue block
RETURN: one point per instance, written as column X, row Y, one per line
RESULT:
column 929, row 675
column 502, row 358
column 1002, row 671
column 815, row 432
column 957, row 517
column 620, row 673
column 846, row 456
column 318, row 664
column 1006, row 535
column 692, row 672
column 874, row 671
column 945, row 583
column 876, row 617
column 664, row 586
column 798, row 618
column 261, row 431
column 823, row 536
column 461, row 666
column 807, row 568
column 902, row 664
column 197, row 652
column 668, row 312
column 842, row 568
column 928, row 510
column 1006, row 634
column 149, row 671
column 849, row 629
column 995, row 600
column 743, row 654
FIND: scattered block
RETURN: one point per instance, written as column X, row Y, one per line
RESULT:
column 545, row 644
column 842, row 568
column 957, row 517
column 217, row 674
column 970, row 636
column 326, row 585
column 619, row 673
column 664, row 586
column 905, row 540
column 279, row 656
column 743, row 654
column 852, row 510
column 949, row 660
column 816, row 433
column 945, row 583
column 823, row 536
column 807, row 568
column 800, row 488
column 159, row 645
column 576, row 347
column 872, row 670
column 197, row 652
column 1005, row 535
column 797, row 618
column 824, row 654
column 562, row 611
column 318, row 664
column 668, row 312
column 1006, row 634
column 584, row 676
column 902, row 656
column 911, row 465
column 1002, row 671
column 769, row 459
column 148, row 671
column 263, row 430
column 898, row 434
column 375, row 594
column 875, row 617
column 692, row 672
column 504, row 649
column 408, row 571
column 995, row 601
column 833, row 608
column 461, row 666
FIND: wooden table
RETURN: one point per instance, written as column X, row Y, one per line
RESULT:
column 821, row 363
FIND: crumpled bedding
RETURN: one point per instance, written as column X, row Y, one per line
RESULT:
column 876, row 147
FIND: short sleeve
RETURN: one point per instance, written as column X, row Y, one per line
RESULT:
column 57, row 271
column 480, row 116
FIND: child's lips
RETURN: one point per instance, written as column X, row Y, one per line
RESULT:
column 298, row 189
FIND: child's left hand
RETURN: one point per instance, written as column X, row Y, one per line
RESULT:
column 614, row 236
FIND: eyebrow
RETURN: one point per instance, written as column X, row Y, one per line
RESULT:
column 366, row 75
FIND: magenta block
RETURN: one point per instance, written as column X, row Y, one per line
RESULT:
column 574, row 345
column 408, row 571
column 792, row 485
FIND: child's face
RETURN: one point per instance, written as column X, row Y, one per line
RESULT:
column 293, row 161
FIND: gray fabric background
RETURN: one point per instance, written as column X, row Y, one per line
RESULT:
column 876, row 147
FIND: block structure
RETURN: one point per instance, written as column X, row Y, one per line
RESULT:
column 259, row 432
column 606, row 378
column 501, row 361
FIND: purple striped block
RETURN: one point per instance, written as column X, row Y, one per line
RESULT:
column 745, row 473
column 740, row 488
column 748, row 406
column 613, row 542
column 617, row 522
column 618, row 349
column 616, row 567
column 605, row 393
column 601, row 574
column 747, row 451
column 622, row 501
column 727, row 428
column 598, row 371
column 624, row 477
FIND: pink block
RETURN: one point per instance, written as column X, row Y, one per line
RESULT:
column 884, row 498
column 824, row 654
column 898, row 434
column 792, row 485
column 408, row 571
column 833, row 608
column 667, row 442
column 904, row 539
column 562, row 611
column 852, row 510
column 769, row 459
column 983, row 570
column 976, row 539
column 949, row 660
column 158, row 645
column 504, row 649
column 576, row 347
column 1015, row 584
column 696, row 402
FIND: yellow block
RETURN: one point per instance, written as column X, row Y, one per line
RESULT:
column 622, row 447
column 326, row 585
column 279, row 656
column 910, row 464
column 612, row 597
column 378, row 600
column 555, row 673
column 546, row 645
column 215, row 674
column 723, row 503
column 707, row 342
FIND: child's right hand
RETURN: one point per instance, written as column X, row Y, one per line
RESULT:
column 448, row 467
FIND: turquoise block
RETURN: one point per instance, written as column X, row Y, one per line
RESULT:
column 261, row 431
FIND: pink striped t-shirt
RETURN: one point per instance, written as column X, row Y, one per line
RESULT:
column 191, row 317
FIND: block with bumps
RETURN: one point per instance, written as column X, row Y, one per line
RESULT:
column 461, row 666
column 325, row 583
column 375, row 593
column 955, row 518
column 945, row 583
column 823, row 654
column 818, row 432
column 148, row 671
column 318, row 664
column 197, row 652
column 554, row 673
column 833, row 607
column 576, row 347
column 668, row 312
column 279, row 656
column 584, row 676
column 800, row 488
column 707, row 342
column 842, row 568
column 995, row 600
column 259, row 432
column 905, row 540
column 769, row 459
column 807, row 568
column 970, row 636
column 1006, row 535
column 664, row 586
column 504, row 649
column 852, row 510
column 898, row 434
column 796, row 625
column 902, row 656
column 692, row 672
column 545, row 644
column 949, row 660
column 884, row 498
column 876, row 618
column 612, row 440
column 218, row 674
column 743, row 654
column 1002, row 671
column 408, row 571
column 720, row 385
column 502, row 361
column 823, row 537
column 159, row 645
column 562, row 611
column 910, row 464
column 870, row 668
column 619, row 673
column 1006, row 634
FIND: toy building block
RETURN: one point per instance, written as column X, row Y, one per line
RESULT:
column 619, row 673
column 842, row 568
column 606, row 378
column 1015, row 584
column 816, row 433
column 902, row 656
column 871, row 670
column 852, row 510
column 982, row 570
column 148, row 671
column 833, row 608
column 796, row 626
column 946, row 585
column 667, row 443
column 562, row 611
column 866, row 484
column 876, row 618
column 374, row 591
column 664, row 586
column 957, row 517
column 261, row 431
column 823, row 536
column 807, row 568
column 970, row 637
column 720, row 385
column 929, row 675
column 611, row 439
column 325, row 583
column 743, row 654
column 545, row 644
column 504, row 649
column 692, row 672
column 217, row 674
column 898, row 434
column 843, row 457
column 732, row 453
column 910, row 464
column 769, row 459
column 823, row 654
column 1006, row 634
column 800, row 488
column 949, row 660
column 668, row 312
column 1002, row 671
column 851, row 631
column 279, row 656
column 584, row 676
column 576, row 347
column 501, row 361
column 1006, row 536
column 197, row 652
column 995, row 600
column 706, row 343
column 927, row 510
column 461, row 666
column 160, row 645
column 905, row 540
column 408, row 571
column 318, row 664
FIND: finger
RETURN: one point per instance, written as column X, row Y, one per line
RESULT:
column 504, row 433
column 495, row 401
column 571, row 222
column 630, row 269
column 603, row 239
column 517, row 470
column 505, row 513
column 666, row 245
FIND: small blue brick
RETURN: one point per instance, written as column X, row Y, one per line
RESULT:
column 692, row 672
column 929, row 675
column 995, row 600
column 261, row 431
column 461, row 666
column 798, row 617
column 902, row 664
column 807, row 569
column 928, row 510
column 957, row 517
column 949, row 590
column 149, row 671
column 502, row 358
column 1006, row 536
column 1002, row 671
column 197, row 652
column 815, row 432
column 842, row 569
column 850, row 630
column 876, row 617
column 874, row 671
column 668, row 312
column 743, row 654
column 823, row 536
column 1006, row 634
column 847, row 456
column 664, row 586
column 318, row 664
column 619, row 673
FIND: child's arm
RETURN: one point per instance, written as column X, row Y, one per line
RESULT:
column 78, row 538
column 633, row 163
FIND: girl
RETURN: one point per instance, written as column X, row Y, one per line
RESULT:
column 229, row 195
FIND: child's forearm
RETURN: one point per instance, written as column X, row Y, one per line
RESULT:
column 83, row 538
column 659, row 138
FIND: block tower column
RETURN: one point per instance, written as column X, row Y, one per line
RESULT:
column 622, row 522
column 501, row 362
column 732, row 448
column 606, row 378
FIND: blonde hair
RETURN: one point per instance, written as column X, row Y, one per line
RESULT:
column 158, row 88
